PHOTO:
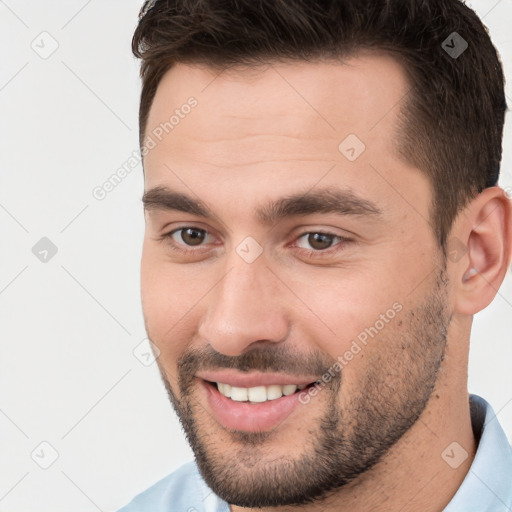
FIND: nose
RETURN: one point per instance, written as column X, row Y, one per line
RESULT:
column 245, row 308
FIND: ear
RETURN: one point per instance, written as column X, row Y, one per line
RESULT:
column 483, row 234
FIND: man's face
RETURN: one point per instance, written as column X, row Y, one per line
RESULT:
column 314, row 262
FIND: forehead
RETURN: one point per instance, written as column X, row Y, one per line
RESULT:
column 320, row 96
column 280, row 124
column 313, row 104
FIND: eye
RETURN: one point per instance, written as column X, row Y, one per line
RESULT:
column 188, row 240
column 187, row 236
column 319, row 241
column 191, row 236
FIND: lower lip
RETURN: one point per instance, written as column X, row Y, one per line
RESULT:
column 249, row 417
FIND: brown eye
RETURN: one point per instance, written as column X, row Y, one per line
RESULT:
column 319, row 244
column 189, row 240
column 192, row 236
column 320, row 241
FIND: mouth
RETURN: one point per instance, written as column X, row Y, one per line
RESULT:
column 258, row 394
column 252, row 409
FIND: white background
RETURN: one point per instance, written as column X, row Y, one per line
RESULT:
column 68, row 328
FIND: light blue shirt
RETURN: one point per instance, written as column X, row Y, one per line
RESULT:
column 486, row 488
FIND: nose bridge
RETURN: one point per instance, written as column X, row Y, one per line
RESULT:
column 244, row 307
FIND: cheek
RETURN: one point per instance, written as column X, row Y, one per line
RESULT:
column 169, row 302
column 368, row 318
column 348, row 308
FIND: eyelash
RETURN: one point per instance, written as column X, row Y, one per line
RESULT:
column 309, row 252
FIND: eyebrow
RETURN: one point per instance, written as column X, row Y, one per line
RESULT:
column 324, row 200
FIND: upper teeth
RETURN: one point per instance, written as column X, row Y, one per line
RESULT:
column 257, row 393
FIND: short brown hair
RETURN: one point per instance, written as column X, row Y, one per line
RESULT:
column 451, row 122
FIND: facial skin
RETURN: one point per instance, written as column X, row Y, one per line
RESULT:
column 373, row 435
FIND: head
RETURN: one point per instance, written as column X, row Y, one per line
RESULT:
column 324, row 163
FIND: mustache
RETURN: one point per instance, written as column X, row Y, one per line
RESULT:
column 270, row 358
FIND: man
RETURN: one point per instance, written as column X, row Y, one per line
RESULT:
column 322, row 222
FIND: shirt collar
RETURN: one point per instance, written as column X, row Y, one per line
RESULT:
column 488, row 484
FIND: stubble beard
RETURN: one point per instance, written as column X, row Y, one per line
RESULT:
column 346, row 441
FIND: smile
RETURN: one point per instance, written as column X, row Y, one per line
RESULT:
column 253, row 408
column 258, row 394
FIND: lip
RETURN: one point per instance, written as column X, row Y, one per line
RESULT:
column 244, row 416
column 253, row 379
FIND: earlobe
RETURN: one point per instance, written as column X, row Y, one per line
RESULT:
column 486, row 228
